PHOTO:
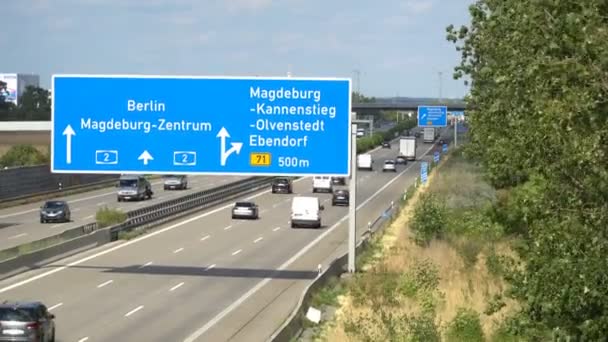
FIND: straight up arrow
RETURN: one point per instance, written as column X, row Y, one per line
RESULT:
column 145, row 156
column 68, row 132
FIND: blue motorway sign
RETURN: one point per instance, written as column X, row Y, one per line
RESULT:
column 424, row 174
column 432, row 116
column 201, row 125
column 445, row 148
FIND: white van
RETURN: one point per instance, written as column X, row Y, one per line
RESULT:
column 322, row 184
column 306, row 212
column 365, row 162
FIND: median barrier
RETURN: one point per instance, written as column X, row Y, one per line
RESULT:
column 40, row 252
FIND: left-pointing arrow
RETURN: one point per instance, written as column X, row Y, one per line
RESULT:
column 145, row 156
column 68, row 132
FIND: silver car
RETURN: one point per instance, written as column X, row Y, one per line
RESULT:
column 248, row 210
column 172, row 182
column 389, row 165
column 27, row 322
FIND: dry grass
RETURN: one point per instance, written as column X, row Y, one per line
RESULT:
column 459, row 286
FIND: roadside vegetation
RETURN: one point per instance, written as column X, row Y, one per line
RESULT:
column 24, row 155
column 106, row 217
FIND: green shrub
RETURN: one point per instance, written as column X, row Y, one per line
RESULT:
column 328, row 294
column 23, row 155
column 107, row 217
column 466, row 326
column 429, row 220
column 385, row 325
column 375, row 287
column 495, row 304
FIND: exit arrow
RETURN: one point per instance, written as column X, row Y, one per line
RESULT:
column 68, row 132
column 145, row 156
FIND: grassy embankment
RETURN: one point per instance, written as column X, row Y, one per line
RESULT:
column 434, row 275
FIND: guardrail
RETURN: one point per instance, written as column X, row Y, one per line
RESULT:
column 36, row 253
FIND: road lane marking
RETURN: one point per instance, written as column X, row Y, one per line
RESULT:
column 105, row 283
column 277, row 228
column 237, row 252
column 178, row 250
column 146, row 264
column 55, row 306
column 176, row 287
column 134, row 311
column 258, row 239
column 198, row 333
column 101, row 203
column 57, row 225
column 76, row 210
column 17, row 236
column 227, row 227
column 205, row 237
column 89, row 217
column 209, row 267
column 84, row 339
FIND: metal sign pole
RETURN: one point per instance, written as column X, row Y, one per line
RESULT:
column 352, row 207
column 455, row 131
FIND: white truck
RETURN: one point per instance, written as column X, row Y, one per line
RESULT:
column 407, row 147
column 428, row 134
column 365, row 162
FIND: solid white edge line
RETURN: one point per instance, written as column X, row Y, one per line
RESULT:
column 130, row 242
column 134, row 311
column 265, row 281
column 17, row 236
column 146, row 264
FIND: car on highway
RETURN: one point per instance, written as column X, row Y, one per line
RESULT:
column 389, row 165
column 242, row 210
column 306, row 212
column 338, row 180
column 282, row 185
column 386, row 144
column 55, row 211
column 401, row 160
column 27, row 322
column 133, row 187
column 322, row 184
column 340, row 197
column 172, row 182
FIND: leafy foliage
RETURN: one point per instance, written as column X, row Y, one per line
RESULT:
column 106, row 217
column 465, row 326
column 23, row 155
column 429, row 220
column 34, row 105
column 539, row 125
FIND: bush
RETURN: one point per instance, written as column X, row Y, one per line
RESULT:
column 376, row 287
column 107, row 217
column 429, row 220
column 23, row 155
column 466, row 326
column 384, row 325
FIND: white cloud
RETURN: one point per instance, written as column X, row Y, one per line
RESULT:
column 418, row 6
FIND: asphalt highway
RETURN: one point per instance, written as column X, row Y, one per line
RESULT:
column 205, row 277
column 21, row 224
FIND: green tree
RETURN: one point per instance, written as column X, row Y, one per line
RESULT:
column 539, row 109
column 6, row 108
column 34, row 104
column 360, row 98
column 23, row 155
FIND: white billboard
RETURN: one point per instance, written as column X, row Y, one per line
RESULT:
column 10, row 94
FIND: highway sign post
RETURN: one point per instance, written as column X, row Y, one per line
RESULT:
column 424, row 174
column 445, row 148
column 352, row 207
column 201, row 125
column 436, row 157
column 432, row 116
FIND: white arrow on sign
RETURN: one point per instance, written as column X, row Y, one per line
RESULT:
column 68, row 132
column 145, row 156
column 236, row 146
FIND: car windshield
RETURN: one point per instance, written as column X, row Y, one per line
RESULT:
column 244, row 204
column 16, row 314
column 171, row 176
column 389, row 162
column 54, row 205
column 341, row 192
column 281, row 181
column 128, row 183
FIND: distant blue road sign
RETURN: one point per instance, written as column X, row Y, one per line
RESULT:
column 201, row 125
column 445, row 148
column 458, row 113
column 436, row 156
column 432, row 116
column 424, row 167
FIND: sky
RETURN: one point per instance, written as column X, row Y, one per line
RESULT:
column 394, row 48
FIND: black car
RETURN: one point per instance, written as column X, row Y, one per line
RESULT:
column 55, row 211
column 386, row 144
column 245, row 210
column 338, row 180
column 441, row 142
column 341, row 197
column 400, row 160
column 282, row 185
column 26, row 321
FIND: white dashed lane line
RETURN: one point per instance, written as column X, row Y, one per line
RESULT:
column 134, row 311
column 17, row 236
column 209, row 267
column 237, row 252
column 176, row 287
column 205, row 237
column 227, row 227
column 84, row 339
column 55, row 306
column 258, row 239
column 146, row 264
column 277, row 228
column 105, row 283
column 178, row 250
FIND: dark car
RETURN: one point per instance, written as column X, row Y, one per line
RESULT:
column 55, row 211
column 340, row 197
column 441, row 142
column 401, row 160
column 417, row 134
column 386, row 144
column 338, row 180
column 282, row 185
column 26, row 321
column 245, row 210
